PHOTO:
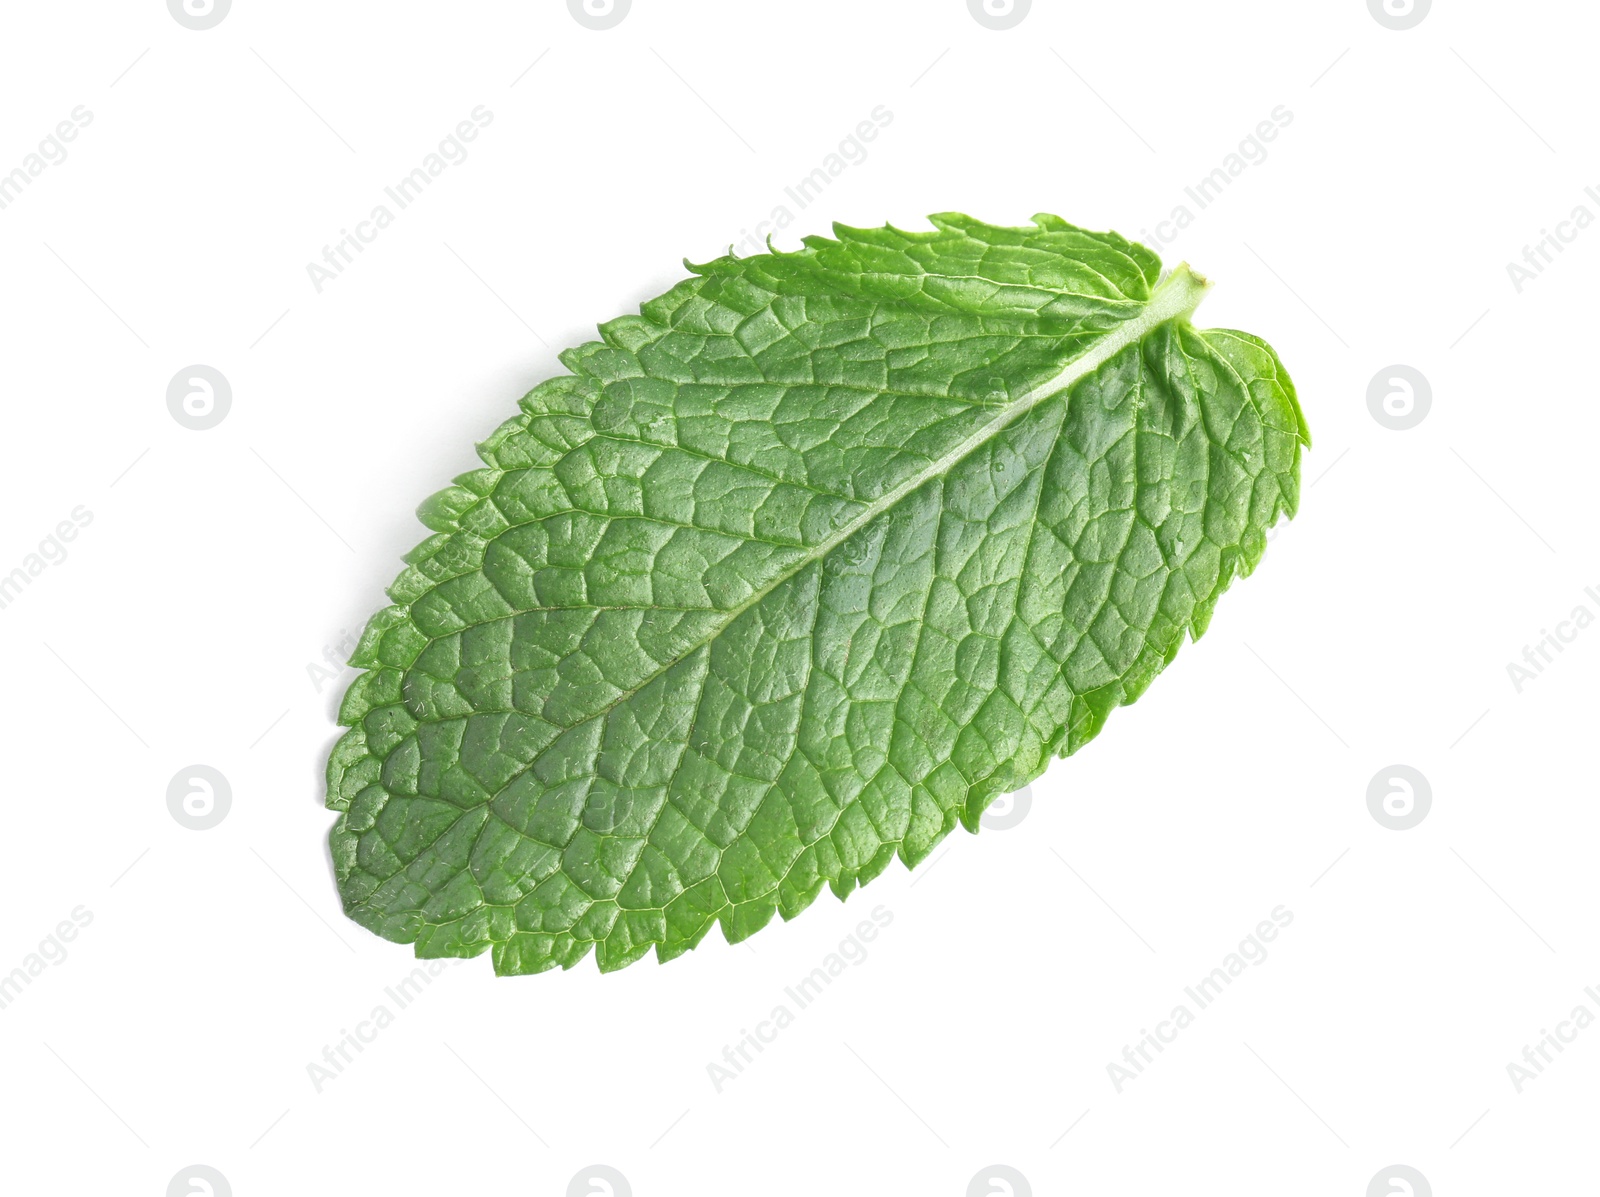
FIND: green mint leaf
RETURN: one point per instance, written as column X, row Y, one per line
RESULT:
column 798, row 568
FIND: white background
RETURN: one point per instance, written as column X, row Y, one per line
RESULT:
column 220, row 564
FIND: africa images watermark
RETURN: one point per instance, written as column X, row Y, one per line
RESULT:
column 851, row 151
column 451, row 151
column 52, row 550
column 335, row 661
column 1541, row 654
column 1252, row 950
column 1539, row 256
column 1252, row 151
column 52, row 151
column 52, row 950
column 342, row 1052
column 852, row 950
column 1537, row 1055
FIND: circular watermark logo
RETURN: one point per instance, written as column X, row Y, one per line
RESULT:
column 1399, row 1180
column 199, row 14
column 999, row 1180
column 999, row 14
column 1399, row 797
column 1399, row 397
column 199, row 397
column 199, row 797
column 199, row 1180
column 1399, row 14
column 1006, row 811
column 599, row 14
column 599, row 1180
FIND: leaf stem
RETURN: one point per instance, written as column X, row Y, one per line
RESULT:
column 1175, row 298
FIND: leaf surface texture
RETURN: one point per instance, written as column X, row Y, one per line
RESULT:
column 796, row 570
